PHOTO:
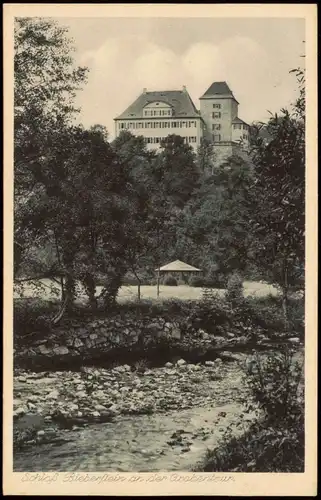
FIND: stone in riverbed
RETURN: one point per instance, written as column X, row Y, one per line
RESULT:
column 181, row 362
column 100, row 408
column 19, row 411
column 61, row 350
column 169, row 365
column 81, row 394
column 40, row 433
column 209, row 363
column 53, row 394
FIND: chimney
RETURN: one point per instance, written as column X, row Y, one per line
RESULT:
column 184, row 88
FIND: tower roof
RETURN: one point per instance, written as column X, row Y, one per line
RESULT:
column 218, row 89
column 179, row 100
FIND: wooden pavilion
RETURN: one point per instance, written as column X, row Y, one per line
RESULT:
column 178, row 268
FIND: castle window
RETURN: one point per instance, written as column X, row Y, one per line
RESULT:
column 216, row 126
column 216, row 114
column 216, row 138
column 237, row 126
column 217, row 106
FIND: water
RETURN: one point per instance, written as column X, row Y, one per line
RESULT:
column 135, row 443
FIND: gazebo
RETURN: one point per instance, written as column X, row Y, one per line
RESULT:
column 181, row 269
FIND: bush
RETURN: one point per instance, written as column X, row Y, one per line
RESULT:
column 234, row 292
column 196, row 281
column 266, row 313
column 276, row 442
column 32, row 315
column 170, row 281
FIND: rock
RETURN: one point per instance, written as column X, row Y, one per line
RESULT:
column 96, row 414
column 44, row 350
column 33, row 398
column 81, row 394
column 19, row 411
column 209, row 363
column 73, row 407
column 176, row 333
column 78, row 343
column 181, row 362
column 169, row 365
column 32, row 406
column 51, row 430
column 100, row 408
column 53, row 394
column 93, row 336
column 40, row 433
column 98, row 395
column 48, row 418
column 61, row 350
column 119, row 369
column 22, row 379
column 294, row 340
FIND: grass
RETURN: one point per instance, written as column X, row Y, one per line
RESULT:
column 129, row 293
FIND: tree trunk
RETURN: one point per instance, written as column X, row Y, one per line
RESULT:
column 90, row 287
column 285, row 300
column 69, row 292
column 60, row 313
column 285, row 309
column 62, row 286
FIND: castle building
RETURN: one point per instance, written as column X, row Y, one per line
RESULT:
column 157, row 114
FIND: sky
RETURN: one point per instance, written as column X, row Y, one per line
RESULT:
column 126, row 55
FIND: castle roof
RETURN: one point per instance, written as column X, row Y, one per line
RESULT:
column 179, row 100
column 238, row 120
column 218, row 89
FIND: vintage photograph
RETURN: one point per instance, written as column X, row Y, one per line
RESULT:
column 159, row 244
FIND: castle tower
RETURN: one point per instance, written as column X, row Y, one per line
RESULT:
column 219, row 110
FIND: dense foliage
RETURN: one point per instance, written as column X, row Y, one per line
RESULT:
column 92, row 211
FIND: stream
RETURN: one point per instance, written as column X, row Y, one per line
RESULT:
column 175, row 441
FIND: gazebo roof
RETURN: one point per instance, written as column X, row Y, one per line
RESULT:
column 178, row 265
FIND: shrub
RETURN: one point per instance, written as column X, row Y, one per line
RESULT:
column 196, row 281
column 266, row 313
column 234, row 292
column 32, row 315
column 275, row 382
column 170, row 281
column 276, row 442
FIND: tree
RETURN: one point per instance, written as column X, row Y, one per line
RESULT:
column 176, row 171
column 278, row 195
column 213, row 229
column 46, row 82
column 206, row 156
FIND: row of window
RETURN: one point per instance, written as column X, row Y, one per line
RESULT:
column 240, row 126
column 157, row 140
column 138, row 125
column 216, row 126
column 216, row 137
column 216, row 114
column 217, row 106
column 158, row 112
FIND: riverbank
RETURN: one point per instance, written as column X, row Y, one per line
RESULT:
column 171, row 411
